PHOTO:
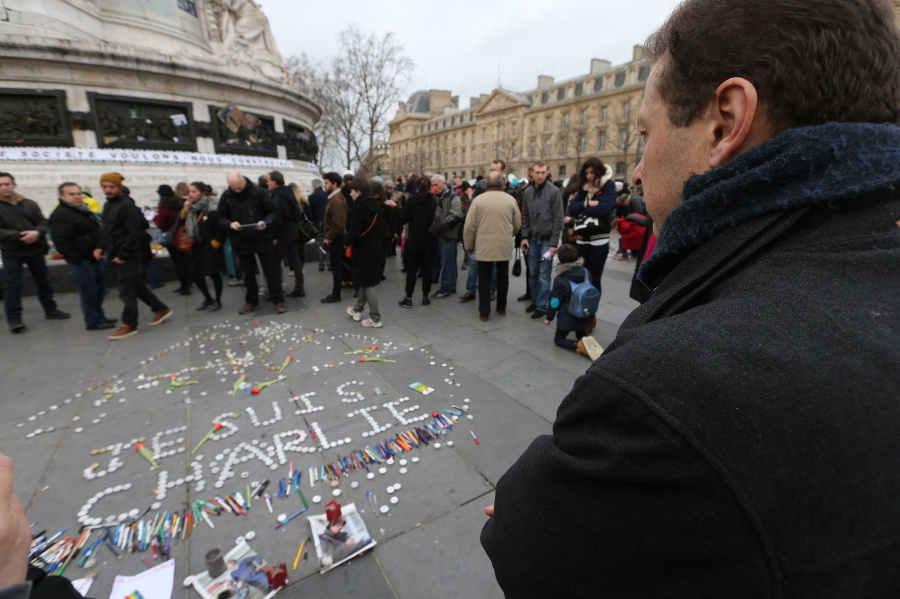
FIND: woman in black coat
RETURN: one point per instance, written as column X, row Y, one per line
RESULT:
column 421, row 245
column 364, row 235
column 202, row 223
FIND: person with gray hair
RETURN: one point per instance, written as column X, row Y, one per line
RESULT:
column 492, row 221
column 445, row 261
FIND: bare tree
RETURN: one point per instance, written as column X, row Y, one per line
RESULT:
column 356, row 91
column 378, row 73
column 339, row 135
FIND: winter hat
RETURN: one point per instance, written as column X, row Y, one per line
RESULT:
column 114, row 178
column 165, row 190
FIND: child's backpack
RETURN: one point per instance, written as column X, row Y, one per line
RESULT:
column 584, row 298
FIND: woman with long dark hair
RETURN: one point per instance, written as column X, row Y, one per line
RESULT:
column 421, row 245
column 590, row 215
column 199, row 216
column 167, row 219
column 364, row 235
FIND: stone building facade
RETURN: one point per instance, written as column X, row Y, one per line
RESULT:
column 560, row 122
column 159, row 90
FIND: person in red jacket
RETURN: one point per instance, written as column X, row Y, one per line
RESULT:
column 632, row 232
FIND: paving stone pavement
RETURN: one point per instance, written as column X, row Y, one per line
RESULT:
column 68, row 392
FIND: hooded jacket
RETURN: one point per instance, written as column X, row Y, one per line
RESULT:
column 561, row 293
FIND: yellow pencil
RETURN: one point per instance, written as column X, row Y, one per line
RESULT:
column 299, row 553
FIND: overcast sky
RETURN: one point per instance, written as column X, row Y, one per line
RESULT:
column 461, row 47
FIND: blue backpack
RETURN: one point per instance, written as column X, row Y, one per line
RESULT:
column 584, row 298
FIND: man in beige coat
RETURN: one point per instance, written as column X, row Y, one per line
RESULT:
column 491, row 223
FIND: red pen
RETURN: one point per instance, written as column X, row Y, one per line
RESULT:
column 474, row 438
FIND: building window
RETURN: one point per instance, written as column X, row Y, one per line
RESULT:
column 562, row 171
column 626, row 110
column 531, row 149
column 514, row 127
column 601, row 146
column 623, row 139
column 534, row 125
column 566, row 120
column 498, row 130
column 483, row 133
column 564, row 146
column 579, row 89
column 581, row 143
column 604, row 112
column 560, row 94
column 583, row 116
column 463, row 155
column 620, row 169
column 546, row 147
column 548, row 123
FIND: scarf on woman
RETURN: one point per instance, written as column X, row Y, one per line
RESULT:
column 201, row 207
column 807, row 166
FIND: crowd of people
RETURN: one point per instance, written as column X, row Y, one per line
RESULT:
column 254, row 228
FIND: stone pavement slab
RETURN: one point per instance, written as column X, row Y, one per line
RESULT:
column 74, row 404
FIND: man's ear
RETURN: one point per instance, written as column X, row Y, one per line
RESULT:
column 736, row 119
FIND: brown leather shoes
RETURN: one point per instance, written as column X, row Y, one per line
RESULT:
column 123, row 331
column 248, row 308
column 159, row 317
column 280, row 308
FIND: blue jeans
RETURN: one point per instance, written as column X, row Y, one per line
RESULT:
column 539, row 272
column 447, row 253
column 13, row 267
column 472, row 277
column 91, row 282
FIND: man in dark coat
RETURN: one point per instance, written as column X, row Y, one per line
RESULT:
column 741, row 435
column 317, row 201
column 126, row 244
column 247, row 213
column 76, row 234
column 285, row 230
column 23, row 242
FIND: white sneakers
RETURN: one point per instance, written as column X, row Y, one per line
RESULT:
column 357, row 316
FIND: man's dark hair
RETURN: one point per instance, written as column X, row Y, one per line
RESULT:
column 13, row 179
column 811, row 62
column 263, row 181
column 360, row 184
column 333, row 177
column 63, row 185
column 277, row 177
column 348, row 178
column 567, row 253
column 495, row 180
column 501, row 162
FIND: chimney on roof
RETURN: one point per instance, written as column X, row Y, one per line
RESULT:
column 545, row 81
column 639, row 53
column 599, row 65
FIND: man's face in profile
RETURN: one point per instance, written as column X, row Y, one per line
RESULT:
column 671, row 154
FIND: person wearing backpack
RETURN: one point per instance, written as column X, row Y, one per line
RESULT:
column 572, row 294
